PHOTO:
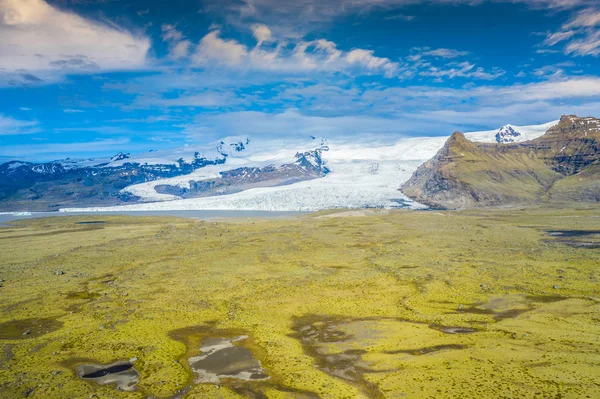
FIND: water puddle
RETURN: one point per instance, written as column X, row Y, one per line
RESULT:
column 573, row 233
column 230, row 358
column 28, row 328
column 509, row 306
column 427, row 350
column 120, row 374
column 452, row 330
column 92, row 222
column 586, row 239
column 224, row 358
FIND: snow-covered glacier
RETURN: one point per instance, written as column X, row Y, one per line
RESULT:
column 364, row 173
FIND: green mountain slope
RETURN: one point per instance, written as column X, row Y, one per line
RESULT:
column 562, row 165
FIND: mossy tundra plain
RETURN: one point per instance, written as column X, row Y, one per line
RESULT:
column 400, row 304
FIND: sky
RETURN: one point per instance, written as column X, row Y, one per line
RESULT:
column 86, row 78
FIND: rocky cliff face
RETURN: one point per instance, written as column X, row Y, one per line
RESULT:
column 562, row 165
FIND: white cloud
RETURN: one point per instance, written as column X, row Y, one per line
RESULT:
column 581, row 33
column 10, row 126
column 421, row 62
column 180, row 50
column 286, row 56
column 585, row 18
column 261, row 33
column 72, row 111
column 179, row 47
column 213, row 49
column 589, row 45
column 441, row 52
column 557, row 37
column 43, row 43
column 170, row 33
column 461, row 70
column 366, row 59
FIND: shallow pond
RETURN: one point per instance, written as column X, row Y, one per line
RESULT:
column 120, row 374
column 223, row 358
column 589, row 239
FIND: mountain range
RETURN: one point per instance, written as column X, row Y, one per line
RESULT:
column 557, row 161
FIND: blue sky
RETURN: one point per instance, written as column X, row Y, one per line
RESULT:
column 94, row 77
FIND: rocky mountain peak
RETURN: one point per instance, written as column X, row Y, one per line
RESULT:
column 507, row 134
column 573, row 122
column 120, row 156
column 457, row 136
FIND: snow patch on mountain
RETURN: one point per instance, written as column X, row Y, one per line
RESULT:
column 15, row 164
column 525, row 133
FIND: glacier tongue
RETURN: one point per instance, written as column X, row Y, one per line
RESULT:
column 362, row 175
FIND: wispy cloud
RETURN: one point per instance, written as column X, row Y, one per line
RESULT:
column 300, row 15
column 58, row 150
column 442, row 63
column 10, row 126
column 400, row 17
column 581, row 34
column 461, row 70
column 336, row 111
column 204, row 99
column 420, row 52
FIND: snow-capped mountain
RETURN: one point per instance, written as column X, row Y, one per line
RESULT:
column 233, row 173
column 507, row 134
column 525, row 133
column 229, row 165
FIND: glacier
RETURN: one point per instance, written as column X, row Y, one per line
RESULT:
column 364, row 173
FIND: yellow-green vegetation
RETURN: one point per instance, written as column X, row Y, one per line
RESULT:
column 477, row 304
